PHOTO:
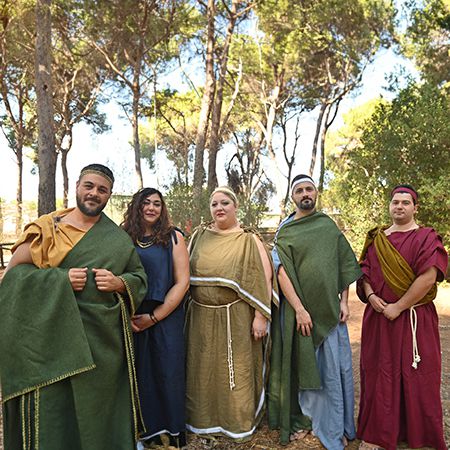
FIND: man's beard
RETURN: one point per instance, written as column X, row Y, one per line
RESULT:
column 306, row 204
column 90, row 212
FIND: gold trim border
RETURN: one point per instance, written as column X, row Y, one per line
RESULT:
column 49, row 382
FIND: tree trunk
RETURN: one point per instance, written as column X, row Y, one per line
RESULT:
column 323, row 136
column 65, row 174
column 19, row 197
column 215, row 138
column 202, row 129
column 44, row 102
column 136, row 142
column 290, row 160
column 271, row 120
column 274, row 103
column 316, row 138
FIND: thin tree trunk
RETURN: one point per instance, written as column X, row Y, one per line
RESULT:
column 44, row 101
column 271, row 121
column 186, row 163
column 202, row 129
column 316, row 138
column 323, row 135
column 65, row 174
column 19, row 196
column 215, row 138
column 136, row 141
column 289, row 160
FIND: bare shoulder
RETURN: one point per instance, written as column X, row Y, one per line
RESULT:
column 178, row 237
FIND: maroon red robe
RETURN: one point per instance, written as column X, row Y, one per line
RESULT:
column 399, row 403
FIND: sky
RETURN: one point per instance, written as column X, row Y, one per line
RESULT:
column 114, row 150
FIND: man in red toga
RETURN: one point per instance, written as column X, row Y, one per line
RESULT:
column 400, row 348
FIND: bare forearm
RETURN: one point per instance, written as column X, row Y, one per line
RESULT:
column 302, row 317
column 172, row 300
column 367, row 288
column 344, row 295
column 289, row 291
column 418, row 289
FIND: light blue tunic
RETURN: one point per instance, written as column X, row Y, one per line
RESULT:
column 332, row 407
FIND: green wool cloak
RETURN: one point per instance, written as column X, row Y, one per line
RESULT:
column 66, row 360
column 320, row 264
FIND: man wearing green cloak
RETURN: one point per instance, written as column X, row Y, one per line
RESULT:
column 311, row 379
column 66, row 360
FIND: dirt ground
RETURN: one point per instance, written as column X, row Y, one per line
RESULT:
column 265, row 439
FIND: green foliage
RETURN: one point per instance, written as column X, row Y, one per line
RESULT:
column 253, row 211
column 180, row 203
column 320, row 44
column 17, row 109
column 405, row 141
column 175, row 131
column 248, row 180
column 427, row 39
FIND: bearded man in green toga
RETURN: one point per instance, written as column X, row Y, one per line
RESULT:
column 311, row 380
column 66, row 360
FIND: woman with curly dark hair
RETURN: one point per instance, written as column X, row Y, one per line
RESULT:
column 158, row 323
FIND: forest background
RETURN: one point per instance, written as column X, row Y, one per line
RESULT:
column 227, row 91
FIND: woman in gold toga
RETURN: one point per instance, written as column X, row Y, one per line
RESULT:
column 227, row 323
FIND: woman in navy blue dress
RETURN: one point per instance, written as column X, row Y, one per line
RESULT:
column 158, row 323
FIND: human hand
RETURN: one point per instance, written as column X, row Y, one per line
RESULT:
column 259, row 326
column 392, row 311
column 304, row 322
column 78, row 278
column 140, row 322
column 106, row 281
column 377, row 303
column 345, row 312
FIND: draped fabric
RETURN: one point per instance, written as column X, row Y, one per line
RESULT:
column 231, row 260
column 399, row 402
column 64, row 354
column 320, row 264
column 226, row 367
column 160, row 354
column 396, row 271
column 50, row 238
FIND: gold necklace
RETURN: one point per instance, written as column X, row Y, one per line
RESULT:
column 145, row 244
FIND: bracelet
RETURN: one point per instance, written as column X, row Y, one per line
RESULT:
column 154, row 319
column 372, row 293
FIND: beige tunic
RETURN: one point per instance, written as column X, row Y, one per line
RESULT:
column 225, row 365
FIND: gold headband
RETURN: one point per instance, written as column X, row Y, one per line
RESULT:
column 96, row 172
